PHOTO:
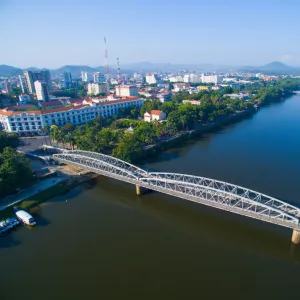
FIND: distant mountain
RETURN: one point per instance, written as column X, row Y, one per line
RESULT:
column 9, row 71
column 168, row 67
column 275, row 67
column 75, row 70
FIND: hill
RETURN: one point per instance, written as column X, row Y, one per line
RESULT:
column 9, row 71
column 275, row 67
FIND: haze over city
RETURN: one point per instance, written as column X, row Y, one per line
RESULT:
column 54, row 33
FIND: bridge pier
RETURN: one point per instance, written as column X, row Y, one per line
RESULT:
column 296, row 237
column 140, row 190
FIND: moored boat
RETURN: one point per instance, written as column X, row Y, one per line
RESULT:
column 8, row 224
column 24, row 217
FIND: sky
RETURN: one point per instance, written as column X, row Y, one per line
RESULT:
column 54, row 33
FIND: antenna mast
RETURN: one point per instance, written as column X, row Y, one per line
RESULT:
column 119, row 74
column 106, row 59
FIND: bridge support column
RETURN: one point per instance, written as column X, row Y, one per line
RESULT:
column 296, row 237
column 140, row 190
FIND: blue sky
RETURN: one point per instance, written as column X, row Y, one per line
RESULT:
column 229, row 32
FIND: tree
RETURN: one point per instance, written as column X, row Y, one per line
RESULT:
column 15, row 172
column 129, row 149
column 8, row 140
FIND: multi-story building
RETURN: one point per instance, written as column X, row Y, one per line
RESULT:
column 211, row 79
column 97, row 88
column 99, row 78
column 67, row 79
column 31, row 77
column 29, row 81
column 151, row 79
column 24, row 98
column 46, row 77
column 23, row 84
column 26, row 121
column 84, row 76
column 41, row 89
column 126, row 90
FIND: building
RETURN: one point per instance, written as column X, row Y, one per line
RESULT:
column 30, row 121
column 84, row 76
column 180, row 86
column 195, row 78
column 151, row 79
column 97, row 88
column 211, row 79
column 24, row 98
column 186, row 78
column 193, row 102
column 23, row 84
column 164, row 97
column 46, row 77
column 41, row 89
column 203, row 88
column 99, row 78
column 126, row 90
column 154, row 115
column 67, row 79
column 31, row 77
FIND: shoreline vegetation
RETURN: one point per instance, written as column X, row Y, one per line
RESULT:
column 150, row 139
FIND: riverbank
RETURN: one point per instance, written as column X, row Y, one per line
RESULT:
column 58, row 189
column 199, row 130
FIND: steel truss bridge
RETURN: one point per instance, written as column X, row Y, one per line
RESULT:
column 210, row 192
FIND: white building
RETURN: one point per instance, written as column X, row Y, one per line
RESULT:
column 97, row 88
column 84, row 76
column 211, row 79
column 99, row 78
column 41, row 89
column 176, row 79
column 151, row 79
column 24, row 98
column 180, row 86
column 126, row 90
column 26, row 122
column 195, row 78
column 158, row 115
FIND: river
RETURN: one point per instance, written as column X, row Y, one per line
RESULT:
column 101, row 241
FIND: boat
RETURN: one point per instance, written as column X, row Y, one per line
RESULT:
column 24, row 217
column 8, row 224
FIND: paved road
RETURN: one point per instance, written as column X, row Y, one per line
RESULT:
column 43, row 184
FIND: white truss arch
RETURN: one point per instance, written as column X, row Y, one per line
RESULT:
column 229, row 196
column 210, row 192
column 111, row 160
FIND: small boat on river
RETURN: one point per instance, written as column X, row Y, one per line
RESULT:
column 8, row 224
column 24, row 217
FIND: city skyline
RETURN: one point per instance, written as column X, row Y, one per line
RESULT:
column 72, row 33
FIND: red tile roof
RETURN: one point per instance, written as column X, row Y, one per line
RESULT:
column 156, row 112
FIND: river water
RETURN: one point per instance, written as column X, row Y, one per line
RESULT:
column 101, row 241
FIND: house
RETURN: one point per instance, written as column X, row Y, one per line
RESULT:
column 180, row 86
column 154, row 115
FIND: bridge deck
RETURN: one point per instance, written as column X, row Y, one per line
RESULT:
column 201, row 190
